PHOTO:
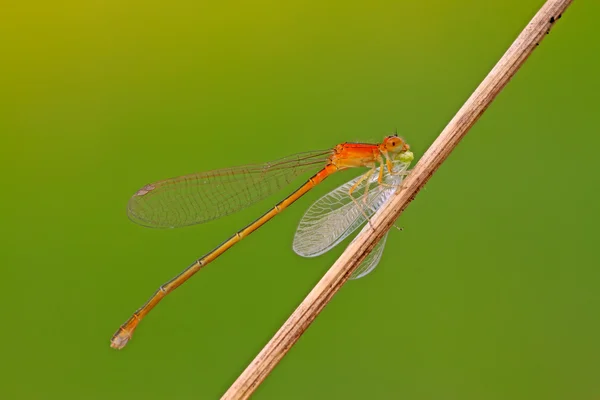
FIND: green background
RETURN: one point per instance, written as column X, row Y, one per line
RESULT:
column 490, row 292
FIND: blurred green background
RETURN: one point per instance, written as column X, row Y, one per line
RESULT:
column 490, row 292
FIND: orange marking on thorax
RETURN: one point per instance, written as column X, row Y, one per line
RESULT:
column 350, row 155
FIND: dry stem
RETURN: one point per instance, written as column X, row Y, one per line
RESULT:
column 338, row 274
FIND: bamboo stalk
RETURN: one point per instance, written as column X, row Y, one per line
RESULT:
column 448, row 139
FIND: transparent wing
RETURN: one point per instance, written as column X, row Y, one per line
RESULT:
column 371, row 261
column 334, row 216
column 201, row 197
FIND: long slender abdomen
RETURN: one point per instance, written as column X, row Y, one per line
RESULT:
column 124, row 333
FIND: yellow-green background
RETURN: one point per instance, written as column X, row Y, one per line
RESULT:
column 490, row 292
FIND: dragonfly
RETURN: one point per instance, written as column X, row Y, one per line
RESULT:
column 205, row 196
